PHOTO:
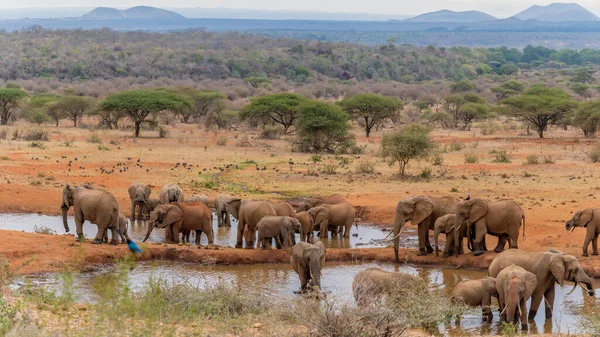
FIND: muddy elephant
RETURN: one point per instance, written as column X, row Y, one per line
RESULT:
column 309, row 203
column 171, row 193
column 138, row 194
column 149, row 207
column 587, row 218
column 308, row 224
column 476, row 293
column 96, row 206
column 220, row 202
column 182, row 217
column 422, row 211
column 280, row 228
column 515, row 286
column 340, row 215
column 549, row 268
column 500, row 218
column 445, row 224
column 248, row 213
column 199, row 198
column 307, row 261
column 371, row 285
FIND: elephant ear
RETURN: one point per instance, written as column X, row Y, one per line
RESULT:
column 478, row 210
column 322, row 251
column 298, row 251
column 530, row 284
column 320, row 213
column 489, row 286
column 172, row 215
column 233, row 207
column 423, row 208
column 67, row 191
column 147, row 191
column 585, row 217
column 557, row 267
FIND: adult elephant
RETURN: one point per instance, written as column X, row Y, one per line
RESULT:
column 422, row 211
column 372, row 284
column 500, row 218
column 549, row 268
column 138, row 194
column 203, row 198
column 590, row 219
column 515, row 286
column 280, row 228
column 248, row 212
column 182, row 217
column 96, row 206
column 307, row 261
column 309, row 203
column 476, row 293
column 340, row 215
column 308, row 224
column 170, row 193
column 220, row 202
column 282, row 208
column 445, row 224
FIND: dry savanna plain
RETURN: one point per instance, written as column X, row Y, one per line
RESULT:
column 550, row 178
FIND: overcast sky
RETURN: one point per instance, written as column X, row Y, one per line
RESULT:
column 501, row 8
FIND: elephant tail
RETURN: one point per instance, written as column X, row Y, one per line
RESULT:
column 523, row 218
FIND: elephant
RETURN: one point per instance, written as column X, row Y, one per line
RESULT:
column 587, row 218
column 515, row 286
column 138, row 194
column 171, row 193
column 307, row 261
column 476, row 293
column 372, row 284
column 220, row 202
column 181, row 217
column 121, row 230
column 309, row 203
column 342, row 215
column 282, row 208
column 308, row 224
column 96, row 206
column 282, row 228
column 549, row 268
column 500, row 218
column 422, row 211
column 248, row 212
column 445, row 224
column 149, row 207
column 199, row 198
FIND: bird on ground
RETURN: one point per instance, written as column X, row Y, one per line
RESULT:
column 133, row 247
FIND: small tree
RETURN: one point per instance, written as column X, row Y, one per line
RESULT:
column 141, row 104
column 10, row 99
column 38, row 109
column 73, row 107
column 322, row 127
column 411, row 143
column 587, row 117
column 462, row 86
column 204, row 102
column 508, row 89
column 256, row 81
column 279, row 108
column 584, row 75
column 372, row 108
column 540, row 106
column 580, row 89
column 473, row 111
column 475, row 108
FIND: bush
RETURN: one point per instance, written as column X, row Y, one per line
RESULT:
column 322, row 127
column 222, row 141
column 532, row 160
column 412, row 142
column 270, row 132
column 38, row 145
column 94, row 139
column 425, row 173
column 243, row 142
column 489, row 128
column 501, row 157
column 315, row 158
column 471, row 158
column 365, row 167
column 549, row 160
column 103, row 148
column 330, row 169
column 3, row 133
column 36, row 134
column 594, row 154
column 162, row 132
column 437, row 160
column 43, row 229
column 114, row 142
column 456, row 146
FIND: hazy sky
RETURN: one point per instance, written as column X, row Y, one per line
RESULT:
column 500, row 8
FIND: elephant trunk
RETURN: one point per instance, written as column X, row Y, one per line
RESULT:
column 511, row 308
column 150, row 228
column 315, row 272
column 398, row 224
column 64, row 210
column 584, row 279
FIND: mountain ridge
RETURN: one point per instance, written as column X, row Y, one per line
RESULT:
column 137, row 12
column 446, row 15
column 557, row 12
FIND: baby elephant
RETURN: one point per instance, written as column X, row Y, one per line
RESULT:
column 149, row 207
column 121, row 230
column 476, row 293
column 281, row 228
column 587, row 218
column 515, row 286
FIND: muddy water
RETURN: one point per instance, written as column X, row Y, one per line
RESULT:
column 364, row 237
column 280, row 280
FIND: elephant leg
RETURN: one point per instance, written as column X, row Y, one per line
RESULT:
column 480, row 231
column 501, row 243
column 105, row 236
column 423, row 232
column 549, row 296
column 595, row 244
column 303, row 278
column 278, row 242
column 99, row 236
column 523, row 315
column 114, row 240
column 324, row 229
column 536, row 300
column 240, row 234
column 79, row 226
column 251, row 237
column 198, row 236
column 589, row 235
column 347, row 228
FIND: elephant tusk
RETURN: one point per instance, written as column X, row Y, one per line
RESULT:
column 387, row 236
column 503, row 310
column 574, row 287
column 395, row 237
column 520, row 312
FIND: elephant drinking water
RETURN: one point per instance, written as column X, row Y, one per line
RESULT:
column 182, row 217
column 138, row 194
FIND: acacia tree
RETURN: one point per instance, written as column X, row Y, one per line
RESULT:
column 322, row 127
column 540, row 106
column 38, row 109
column 508, row 89
column 279, row 108
column 373, row 109
column 73, row 107
column 204, row 102
column 9, row 102
column 587, row 117
column 412, row 142
column 465, row 108
column 140, row 104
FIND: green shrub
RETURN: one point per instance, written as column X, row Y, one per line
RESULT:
column 162, row 132
column 315, row 158
column 38, row 145
column 456, row 146
column 330, row 169
column 425, row 173
column 103, row 148
column 471, row 158
column 532, row 160
column 365, row 167
column 501, row 157
column 94, row 139
column 437, row 160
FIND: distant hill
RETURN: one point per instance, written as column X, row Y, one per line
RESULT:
column 451, row 16
column 139, row 12
column 557, row 12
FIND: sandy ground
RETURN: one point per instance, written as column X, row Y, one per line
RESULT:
column 31, row 180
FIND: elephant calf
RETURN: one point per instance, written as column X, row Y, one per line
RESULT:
column 281, row 228
column 587, row 218
column 308, row 224
column 515, row 287
column 121, row 230
column 307, row 261
column 372, row 284
column 149, row 207
column 476, row 293
column 445, row 224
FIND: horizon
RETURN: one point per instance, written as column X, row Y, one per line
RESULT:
column 497, row 8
